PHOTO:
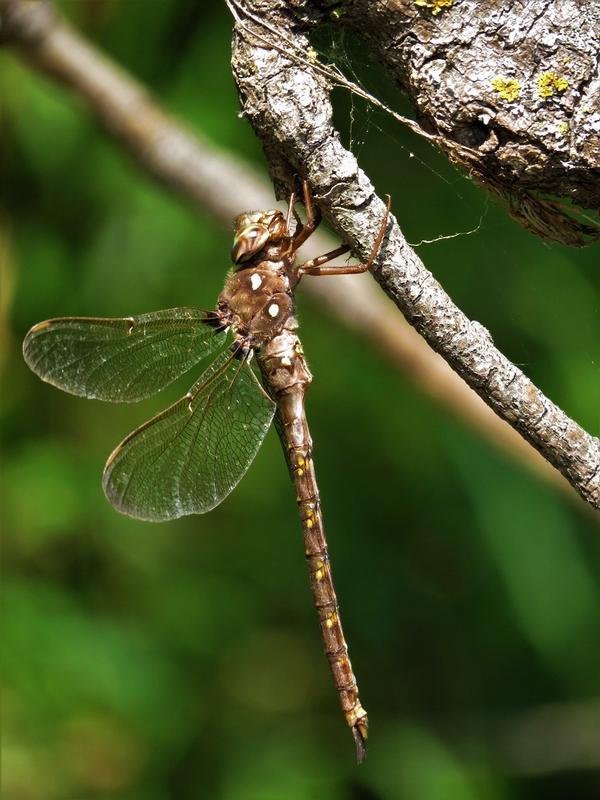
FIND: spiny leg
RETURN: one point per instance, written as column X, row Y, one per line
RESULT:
column 313, row 267
column 313, row 218
column 291, row 211
column 299, row 223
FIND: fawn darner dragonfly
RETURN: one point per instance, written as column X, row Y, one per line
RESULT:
column 188, row 458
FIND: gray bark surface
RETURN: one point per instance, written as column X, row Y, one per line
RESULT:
column 289, row 106
column 511, row 89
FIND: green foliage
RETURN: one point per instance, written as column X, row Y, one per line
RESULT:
column 183, row 660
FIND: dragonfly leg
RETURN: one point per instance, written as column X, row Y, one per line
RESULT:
column 299, row 223
column 309, row 267
column 313, row 267
column 313, row 217
column 291, row 211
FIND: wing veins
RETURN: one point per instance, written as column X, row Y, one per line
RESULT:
column 123, row 349
column 167, row 413
column 189, row 457
column 205, row 408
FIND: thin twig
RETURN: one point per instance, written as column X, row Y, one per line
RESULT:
column 197, row 170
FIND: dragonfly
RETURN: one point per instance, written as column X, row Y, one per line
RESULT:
column 189, row 457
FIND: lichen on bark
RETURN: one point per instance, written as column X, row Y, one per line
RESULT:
column 512, row 93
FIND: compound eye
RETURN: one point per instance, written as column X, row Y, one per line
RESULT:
column 248, row 241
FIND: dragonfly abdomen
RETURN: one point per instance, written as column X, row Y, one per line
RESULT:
column 287, row 377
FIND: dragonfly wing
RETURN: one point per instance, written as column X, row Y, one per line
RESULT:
column 119, row 359
column 187, row 459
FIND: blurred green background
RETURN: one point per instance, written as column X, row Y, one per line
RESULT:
column 183, row 660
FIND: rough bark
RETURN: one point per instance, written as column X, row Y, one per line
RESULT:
column 289, row 106
column 510, row 90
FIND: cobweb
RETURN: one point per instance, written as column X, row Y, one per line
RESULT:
column 360, row 112
column 359, row 119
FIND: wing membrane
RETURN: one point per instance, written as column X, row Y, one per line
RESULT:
column 119, row 359
column 187, row 459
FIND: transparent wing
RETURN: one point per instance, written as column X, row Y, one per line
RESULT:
column 121, row 360
column 187, row 459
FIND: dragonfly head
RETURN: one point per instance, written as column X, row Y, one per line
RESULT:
column 253, row 231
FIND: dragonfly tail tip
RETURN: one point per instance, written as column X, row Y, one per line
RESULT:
column 360, row 740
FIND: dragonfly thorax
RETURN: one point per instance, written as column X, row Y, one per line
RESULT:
column 257, row 303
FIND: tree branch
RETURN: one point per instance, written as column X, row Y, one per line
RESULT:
column 511, row 92
column 289, row 107
column 197, row 171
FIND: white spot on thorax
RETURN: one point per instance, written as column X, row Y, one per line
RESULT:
column 255, row 281
column 273, row 310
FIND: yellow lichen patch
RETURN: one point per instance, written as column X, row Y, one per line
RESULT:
column 300, row 461
column 435, row 5
column 312, row 54
column 549, row 83
column 309, row 523
column 331, row 620
column 507, row 88
column 563, row 128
